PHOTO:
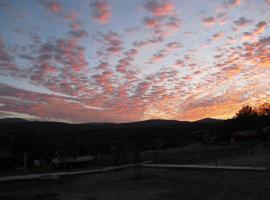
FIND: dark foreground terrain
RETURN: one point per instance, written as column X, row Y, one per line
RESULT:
column 155, row 184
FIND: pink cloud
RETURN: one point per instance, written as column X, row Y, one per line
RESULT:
column 213, row 20
column 42, row 72
column 72, row 16
column 260, row 27
column 105, row 81
column 150, row 22
column 131, row 53
column 111, row 43
column 159, row 8
column 75, row 26
column 49, row 106
column 101, row 11
column 48, row 69
column 124, row 63
column 163, row 19
column 179, row 63
column 59, row 65
column 209, row 21
column 6, row 58
column 4, row 55
column 52, row 5
column 157, row 57
column 231, row 3
column 173, row 45
column 173, row 23
column 78, row 33
column 103, row 65
column 218, row 36
column 242, row 22
column 140, row 44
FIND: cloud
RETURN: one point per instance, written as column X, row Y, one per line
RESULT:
column 125, row 63
column 42, row 72
column 209, row 21
column 7, row 62
column 173, row 23
column 105, row 81
column 101, row 11
column 213, row 20
column 231, row 3
column 218, row 36
column 173, row 45
column 258, row 30
column 102, row 66
column 75, row 25
column 131, row 53
column 114, row 82
column 179, row 63
column 242, row 22
column 4, row 54
column 159, row 8
column 265, row 41
column 52, row 5
column 72, row 16
column 150, row 22
column 257, row 53
column 110, row 43
column 260, row 27
column 162, row 19
column 157, row 57
column 78, row 33
column 47, row 107
column 58, row 64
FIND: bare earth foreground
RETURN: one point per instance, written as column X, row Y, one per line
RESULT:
column 168, row 184
column 154, row 184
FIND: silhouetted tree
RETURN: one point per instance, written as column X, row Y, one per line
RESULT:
column 246, row 111
column 264, row 109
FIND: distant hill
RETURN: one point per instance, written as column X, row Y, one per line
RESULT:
column 13, row 120
column 14, row 125
column 208, row 120
column 99, row 133
column 21, row 125
column 152, row 123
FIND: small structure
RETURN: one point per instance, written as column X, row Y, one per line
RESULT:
column 72, row 162
column 241, row 136
column 247, row 139
column 266, row 130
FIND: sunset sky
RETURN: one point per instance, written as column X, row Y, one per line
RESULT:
column 130, row 60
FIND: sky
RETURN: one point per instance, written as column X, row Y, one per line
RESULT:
column 121, row 61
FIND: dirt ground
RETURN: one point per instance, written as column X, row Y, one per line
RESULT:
column 155, row 184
